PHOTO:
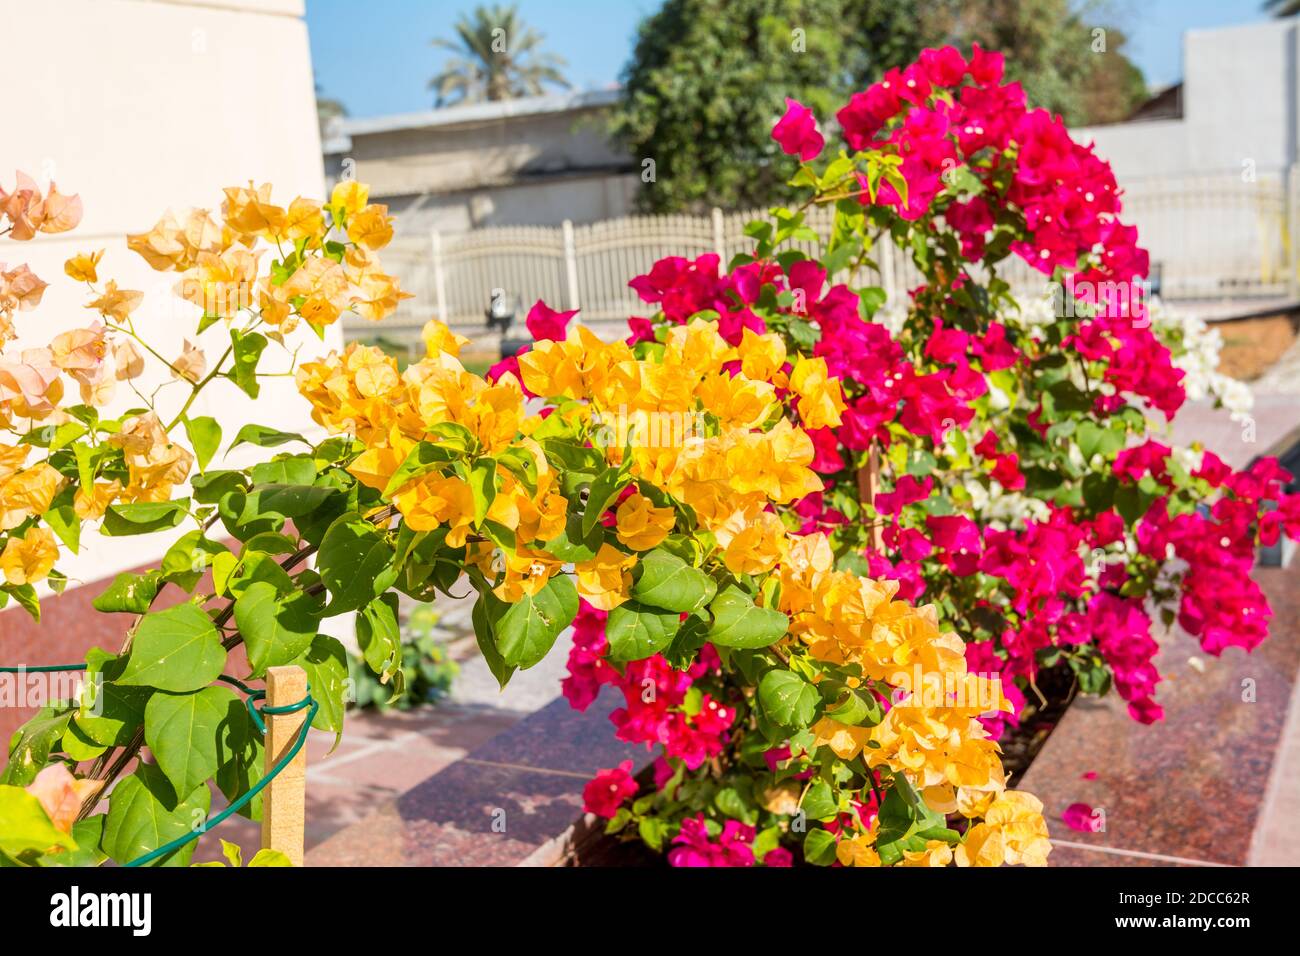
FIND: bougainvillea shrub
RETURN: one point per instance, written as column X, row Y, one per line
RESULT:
column 1005, row 463
column 649, row 482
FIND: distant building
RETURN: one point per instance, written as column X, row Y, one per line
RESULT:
column 1236, row 109
column 533, row 161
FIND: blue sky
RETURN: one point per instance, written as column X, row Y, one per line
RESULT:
column 376, row 56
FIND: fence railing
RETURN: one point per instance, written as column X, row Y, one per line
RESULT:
column 1210, row 237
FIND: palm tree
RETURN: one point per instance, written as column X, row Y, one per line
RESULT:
column 496, row 58
column 1282, row 8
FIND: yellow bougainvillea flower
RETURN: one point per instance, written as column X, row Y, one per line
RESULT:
column 82, row 267
column 936, row 853
column 29, row 559
column 250, row 212
column 526, row 572
column 858, row 850
column 757, row 547
column 155, row 464
column 762, row 356
column 606, row 580
column 371, row 228
column 12, row 458
column 27, row 493
column 349, row 196
column 438, row 339
column 379, row 296
column 175, row 246
column 982, row 847
column 641, row 526
column 438, row 500
column 91, row 505
column 304, row 220
column 115, row 303
column 821, row 400
column 844, row 740
column 221, row 283
column 1019, row 817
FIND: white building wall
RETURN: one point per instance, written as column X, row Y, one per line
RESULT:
column 1239, row 104
column 142, row 105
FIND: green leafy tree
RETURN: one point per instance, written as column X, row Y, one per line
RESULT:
column 496, row 56
column 707, row 79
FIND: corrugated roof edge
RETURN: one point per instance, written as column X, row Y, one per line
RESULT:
column 473, row 113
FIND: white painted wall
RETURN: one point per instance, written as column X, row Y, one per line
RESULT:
column 142, row 105
column 1239, row 103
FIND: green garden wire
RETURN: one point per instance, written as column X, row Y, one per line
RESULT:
column 256, row 714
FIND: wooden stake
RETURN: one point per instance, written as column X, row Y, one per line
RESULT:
column 868, row 486
column 284, row 812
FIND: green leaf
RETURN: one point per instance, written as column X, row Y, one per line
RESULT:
column 31, row 745
column 269, row 858
column 636, row 632
column 420, row 460
column 739, row 622
column 483, row 486
column 131, row 593
column 663, row 580
column 379, row 637
column 88, row 834
column 527, row 630
column 144, row 813
column 603, row 492
column 186, row 560
column 326, row 664
column 275, row 630
column 787, row 699
column 819, row 802
column 144, row 517
column 182, row 732
column 26, row 597
column 352, row 560
column 856, row 708
column 819, row 847
column 248, row 347
column 897, row 814
column 285, row 470
column 178, row 650
column 265, row 437
column 110, row 712
column 205, row 438
column 487, row 642
column 210, row 488
column 27, row 831
column 572, row 544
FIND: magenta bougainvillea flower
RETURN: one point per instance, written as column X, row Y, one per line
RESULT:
column 796, row 132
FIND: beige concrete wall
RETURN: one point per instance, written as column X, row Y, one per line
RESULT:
column 142, row 105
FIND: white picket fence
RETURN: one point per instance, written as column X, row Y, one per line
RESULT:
column 1210, row 237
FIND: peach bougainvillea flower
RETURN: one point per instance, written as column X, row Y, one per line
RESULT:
column 29, row 559
column 191, row 364
column 116, row 304
column 61, row 794
column 82, row 266
column 30, row 213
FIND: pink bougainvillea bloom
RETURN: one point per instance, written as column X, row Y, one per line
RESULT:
column 545, row 323
column 1078, row 816
column 1090, row 775
column 796, row 131
column 778, row 856
column 606, row 791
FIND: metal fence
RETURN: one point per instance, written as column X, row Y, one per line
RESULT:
column 1210, row 237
